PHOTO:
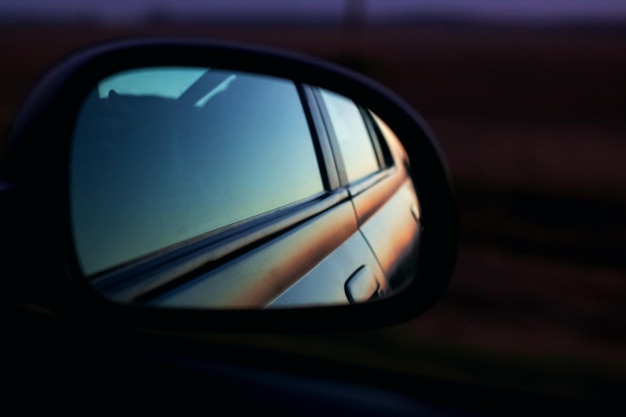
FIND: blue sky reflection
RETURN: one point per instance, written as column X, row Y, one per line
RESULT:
column 164, row 82
column 149, row 171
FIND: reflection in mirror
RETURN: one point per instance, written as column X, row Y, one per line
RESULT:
column 204, row 188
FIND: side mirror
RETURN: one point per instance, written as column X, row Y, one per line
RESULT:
column 180, row 184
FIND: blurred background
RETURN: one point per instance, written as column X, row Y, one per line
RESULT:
column 528, row 100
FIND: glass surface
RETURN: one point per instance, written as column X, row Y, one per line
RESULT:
column 354, row 140
column 165, row 154
column 201, row 188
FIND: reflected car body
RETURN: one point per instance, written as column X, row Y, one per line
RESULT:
column 286, row 194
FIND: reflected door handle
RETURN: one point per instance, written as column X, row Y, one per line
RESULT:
column 415, row 212
column 361, row 286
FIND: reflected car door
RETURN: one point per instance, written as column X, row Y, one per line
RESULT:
column 375, row 169
column 351, row 272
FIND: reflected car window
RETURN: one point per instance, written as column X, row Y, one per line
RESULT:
column 352, row 136
column 183, row 153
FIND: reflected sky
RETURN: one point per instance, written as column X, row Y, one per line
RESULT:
column 352, row 136
column 149, row 171
column 164, row 82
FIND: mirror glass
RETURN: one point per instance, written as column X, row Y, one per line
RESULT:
column 207, row 188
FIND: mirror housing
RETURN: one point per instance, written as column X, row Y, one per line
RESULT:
column 35, row 196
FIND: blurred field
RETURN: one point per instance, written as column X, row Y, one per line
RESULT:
column 533, row 124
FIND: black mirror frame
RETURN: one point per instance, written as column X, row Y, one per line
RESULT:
column 35, row 172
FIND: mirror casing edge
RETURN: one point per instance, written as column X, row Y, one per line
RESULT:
column 53, row 106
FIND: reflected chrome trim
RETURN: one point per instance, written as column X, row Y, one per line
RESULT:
column 129, row 282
